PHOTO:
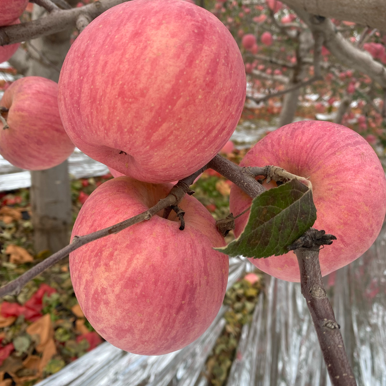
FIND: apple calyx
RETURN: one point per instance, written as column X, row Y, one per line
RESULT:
column 2, row 119
column 312, row 239
column 276, row 174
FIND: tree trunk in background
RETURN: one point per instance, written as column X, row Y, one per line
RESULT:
column 343, row 107
column 290, row 101
column 50, row 189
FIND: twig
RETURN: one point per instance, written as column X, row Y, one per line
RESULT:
column 175, row 195
column 271, row 60
column 62, row 4
column 48, row 5
column 54, row 22
column 327, row 329
column 235, row 174
column 287, row 90
column 82, row 22
column 263, row 75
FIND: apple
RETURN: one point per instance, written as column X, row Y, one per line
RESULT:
column 7, row 51
column 150, row 289
column 266, row 38
column 349, row 189
column 248, row 41
column 11, row 10
column 160, row 97
column 228, row 148
column 35, row 139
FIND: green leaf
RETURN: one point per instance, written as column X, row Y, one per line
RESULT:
column 277, row 218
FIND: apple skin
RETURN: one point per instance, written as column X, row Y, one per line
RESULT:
column 349, row 190
column 11, row 10
column 155, row 100
column 35, row 139
column 7, row 51
column 150, row 289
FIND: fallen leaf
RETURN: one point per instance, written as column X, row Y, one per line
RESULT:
column 77, row 311
column 5, row 352
column 22, row 343
column 5, row 322
column 32, row 362
column 18, row 254
column 92, row 338
column 8, row 215
column 48, row 352
column 7, row 382
column 43, row 328
column 80, row 327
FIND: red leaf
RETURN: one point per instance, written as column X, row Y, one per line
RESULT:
column 5, row 352
column 11, row 309
column 92, row 338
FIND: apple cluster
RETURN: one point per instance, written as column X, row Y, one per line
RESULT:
column 153, row 89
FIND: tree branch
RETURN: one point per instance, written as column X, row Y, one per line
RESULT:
column 230, row 170
column 173, row 198
column 48, row 5
column 54, row 22
column 369, row 13
column 327, row 329
column 343, row 50
column 287, row 90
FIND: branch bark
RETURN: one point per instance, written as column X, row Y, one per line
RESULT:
column 327, row 329
column 55, row 22
column 368, row 13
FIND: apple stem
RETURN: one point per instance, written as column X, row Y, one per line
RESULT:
column 328, row 330
column 180, row 213
column 4, row 122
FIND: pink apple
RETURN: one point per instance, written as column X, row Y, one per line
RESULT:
column 115, row 173
column 349, row 189
column 7, row 51
column 266, row 38
column 35, row 139
column 161, row 98
column 228, row 148
column 274, row 5
column 11, row 10
column 248, row 41
column 150, row 289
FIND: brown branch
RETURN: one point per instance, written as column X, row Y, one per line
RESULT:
column 175, row 195
column 48, row 5
column 271, row 60
column 287, row 90
column 62, row 4
column 276, row 78
column 54, row 22
column 82, row 22
column 234, row 173
column 327, row 329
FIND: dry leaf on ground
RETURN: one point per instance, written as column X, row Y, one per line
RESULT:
column 44, row 329
column 7, row 214
column 80, row 327
column 77, row 311
column 18, row 254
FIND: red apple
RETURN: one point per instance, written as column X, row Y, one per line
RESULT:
column 349, row 189
column 228, row 148
column 11, row 10
column 35, row 139
column 150, row 289
column 248, row 41
column 158, row 99
column 266, row 38
column 7, row 51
